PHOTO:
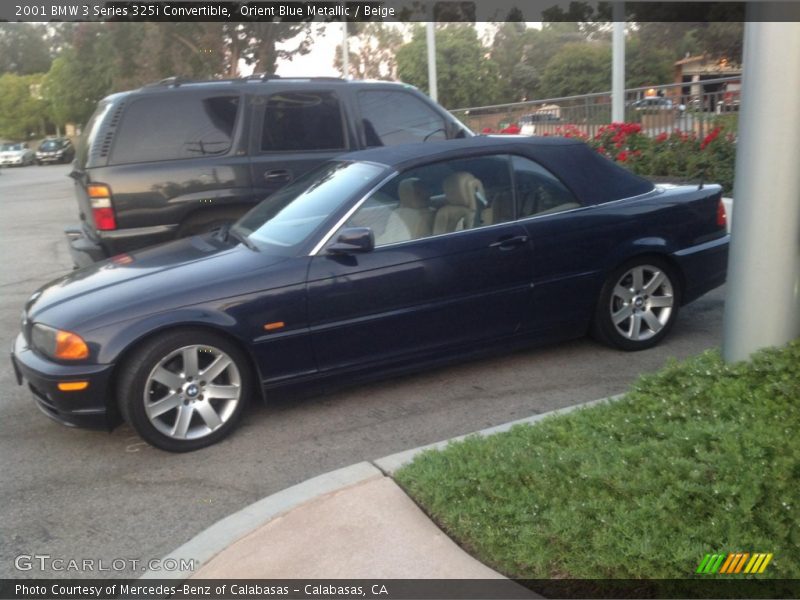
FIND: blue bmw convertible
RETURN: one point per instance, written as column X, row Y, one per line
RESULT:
column 380, row 261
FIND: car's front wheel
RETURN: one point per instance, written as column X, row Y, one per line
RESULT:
column 185, row 390
column 638, row 304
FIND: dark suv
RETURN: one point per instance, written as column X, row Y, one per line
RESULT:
column 177, row 158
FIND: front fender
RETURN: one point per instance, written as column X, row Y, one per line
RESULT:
column 114, row 340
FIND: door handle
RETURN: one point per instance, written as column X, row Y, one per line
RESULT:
column 277, row 176
column 508, row 243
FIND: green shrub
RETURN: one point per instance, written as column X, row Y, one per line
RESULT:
column 702, row 457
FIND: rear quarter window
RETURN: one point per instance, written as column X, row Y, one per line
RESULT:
column 176, row 127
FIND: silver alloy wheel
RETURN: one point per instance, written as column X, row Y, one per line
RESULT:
column 641, row 302
column 192, row 392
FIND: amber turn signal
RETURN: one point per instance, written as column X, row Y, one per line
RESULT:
column 72, row 386
column 70, row 346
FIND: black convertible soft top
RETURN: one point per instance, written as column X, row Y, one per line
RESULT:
column 592, row 178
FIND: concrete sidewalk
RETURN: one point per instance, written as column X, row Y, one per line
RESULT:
column 352, row 523
column 370, row 530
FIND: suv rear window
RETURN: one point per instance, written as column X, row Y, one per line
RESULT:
column 186, row 126
column 302, row 121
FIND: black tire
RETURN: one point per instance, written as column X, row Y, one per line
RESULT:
column 654, row 303
column 156, row 378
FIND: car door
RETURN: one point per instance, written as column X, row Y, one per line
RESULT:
column 568, row 241
column 451, row 287
column 294, row 131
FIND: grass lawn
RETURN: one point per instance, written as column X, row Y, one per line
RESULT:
column 699, row 458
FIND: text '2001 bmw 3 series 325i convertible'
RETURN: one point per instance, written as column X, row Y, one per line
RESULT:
column 382, row 259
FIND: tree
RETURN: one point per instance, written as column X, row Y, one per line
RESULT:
column 578, row 69
column 81, row 76
column 647, row 63
column 23, row 49
column 466, row 74
column 21, row 110
column 371, row 51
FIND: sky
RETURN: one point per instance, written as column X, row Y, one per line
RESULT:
column 319, row 62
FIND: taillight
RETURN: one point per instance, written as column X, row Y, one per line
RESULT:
column 722, row 216
column 102, row 211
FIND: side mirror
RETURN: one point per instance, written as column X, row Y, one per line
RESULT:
column 353, row 240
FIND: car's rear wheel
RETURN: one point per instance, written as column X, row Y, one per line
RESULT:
column 185, row 390
column 638, row 304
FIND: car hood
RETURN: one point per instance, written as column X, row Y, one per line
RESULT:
column 181, row 273
column 11, row 153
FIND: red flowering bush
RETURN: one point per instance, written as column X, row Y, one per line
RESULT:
column 678, row 154
column 624, row 143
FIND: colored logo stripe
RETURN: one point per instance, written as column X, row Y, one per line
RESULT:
column 733, row 563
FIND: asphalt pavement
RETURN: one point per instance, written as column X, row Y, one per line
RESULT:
column 76, row 494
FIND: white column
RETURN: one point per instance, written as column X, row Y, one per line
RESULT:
column 431, row 38
column 763, row 303
column 618, row 64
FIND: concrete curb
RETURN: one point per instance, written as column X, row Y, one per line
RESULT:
column 210, row 542
column 390, row 464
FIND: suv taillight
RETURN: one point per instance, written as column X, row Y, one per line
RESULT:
column 102, row 211
column 722, row 215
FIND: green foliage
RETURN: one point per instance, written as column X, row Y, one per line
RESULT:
column 79, row 78
column 23, row 49
column 21, row 111
column 647, row 63
column 580, row 68
column 700, row 457
column 465, row 76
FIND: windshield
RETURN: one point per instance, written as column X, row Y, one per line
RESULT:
column 288, row 217
column 51, row 145
column 10, row 147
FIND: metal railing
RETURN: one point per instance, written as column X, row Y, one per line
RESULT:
column 694, row 106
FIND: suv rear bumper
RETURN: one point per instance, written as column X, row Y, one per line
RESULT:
column 85, row 251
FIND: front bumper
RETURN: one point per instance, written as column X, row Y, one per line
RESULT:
column 85, row 408
column 11, row 161
column 46, row 158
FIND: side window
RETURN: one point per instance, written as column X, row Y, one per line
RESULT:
column 539, row 192
column 436, row 199
column 295, row 121
column 394, row 117
column 170, row 127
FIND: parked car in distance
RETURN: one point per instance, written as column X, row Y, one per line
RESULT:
column 654, row 103
column 549, row 113
column 55, row 150
column 16, row 154
column 381, row 260
column 177, row 158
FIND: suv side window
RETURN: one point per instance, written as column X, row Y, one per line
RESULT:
column 539, row 192
column 297, row 121
column 395, row 117
column 181, row 126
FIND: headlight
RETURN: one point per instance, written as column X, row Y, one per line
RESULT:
column 56, row 343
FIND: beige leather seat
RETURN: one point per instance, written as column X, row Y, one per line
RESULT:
column 461, row 191
column 413, row 218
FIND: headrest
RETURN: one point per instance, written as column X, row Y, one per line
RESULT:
column 462, row 189
column 413, row 194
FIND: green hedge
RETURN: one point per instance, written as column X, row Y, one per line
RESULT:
column 702, row 457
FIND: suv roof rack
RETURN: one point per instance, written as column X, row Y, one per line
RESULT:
column 177, row 80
